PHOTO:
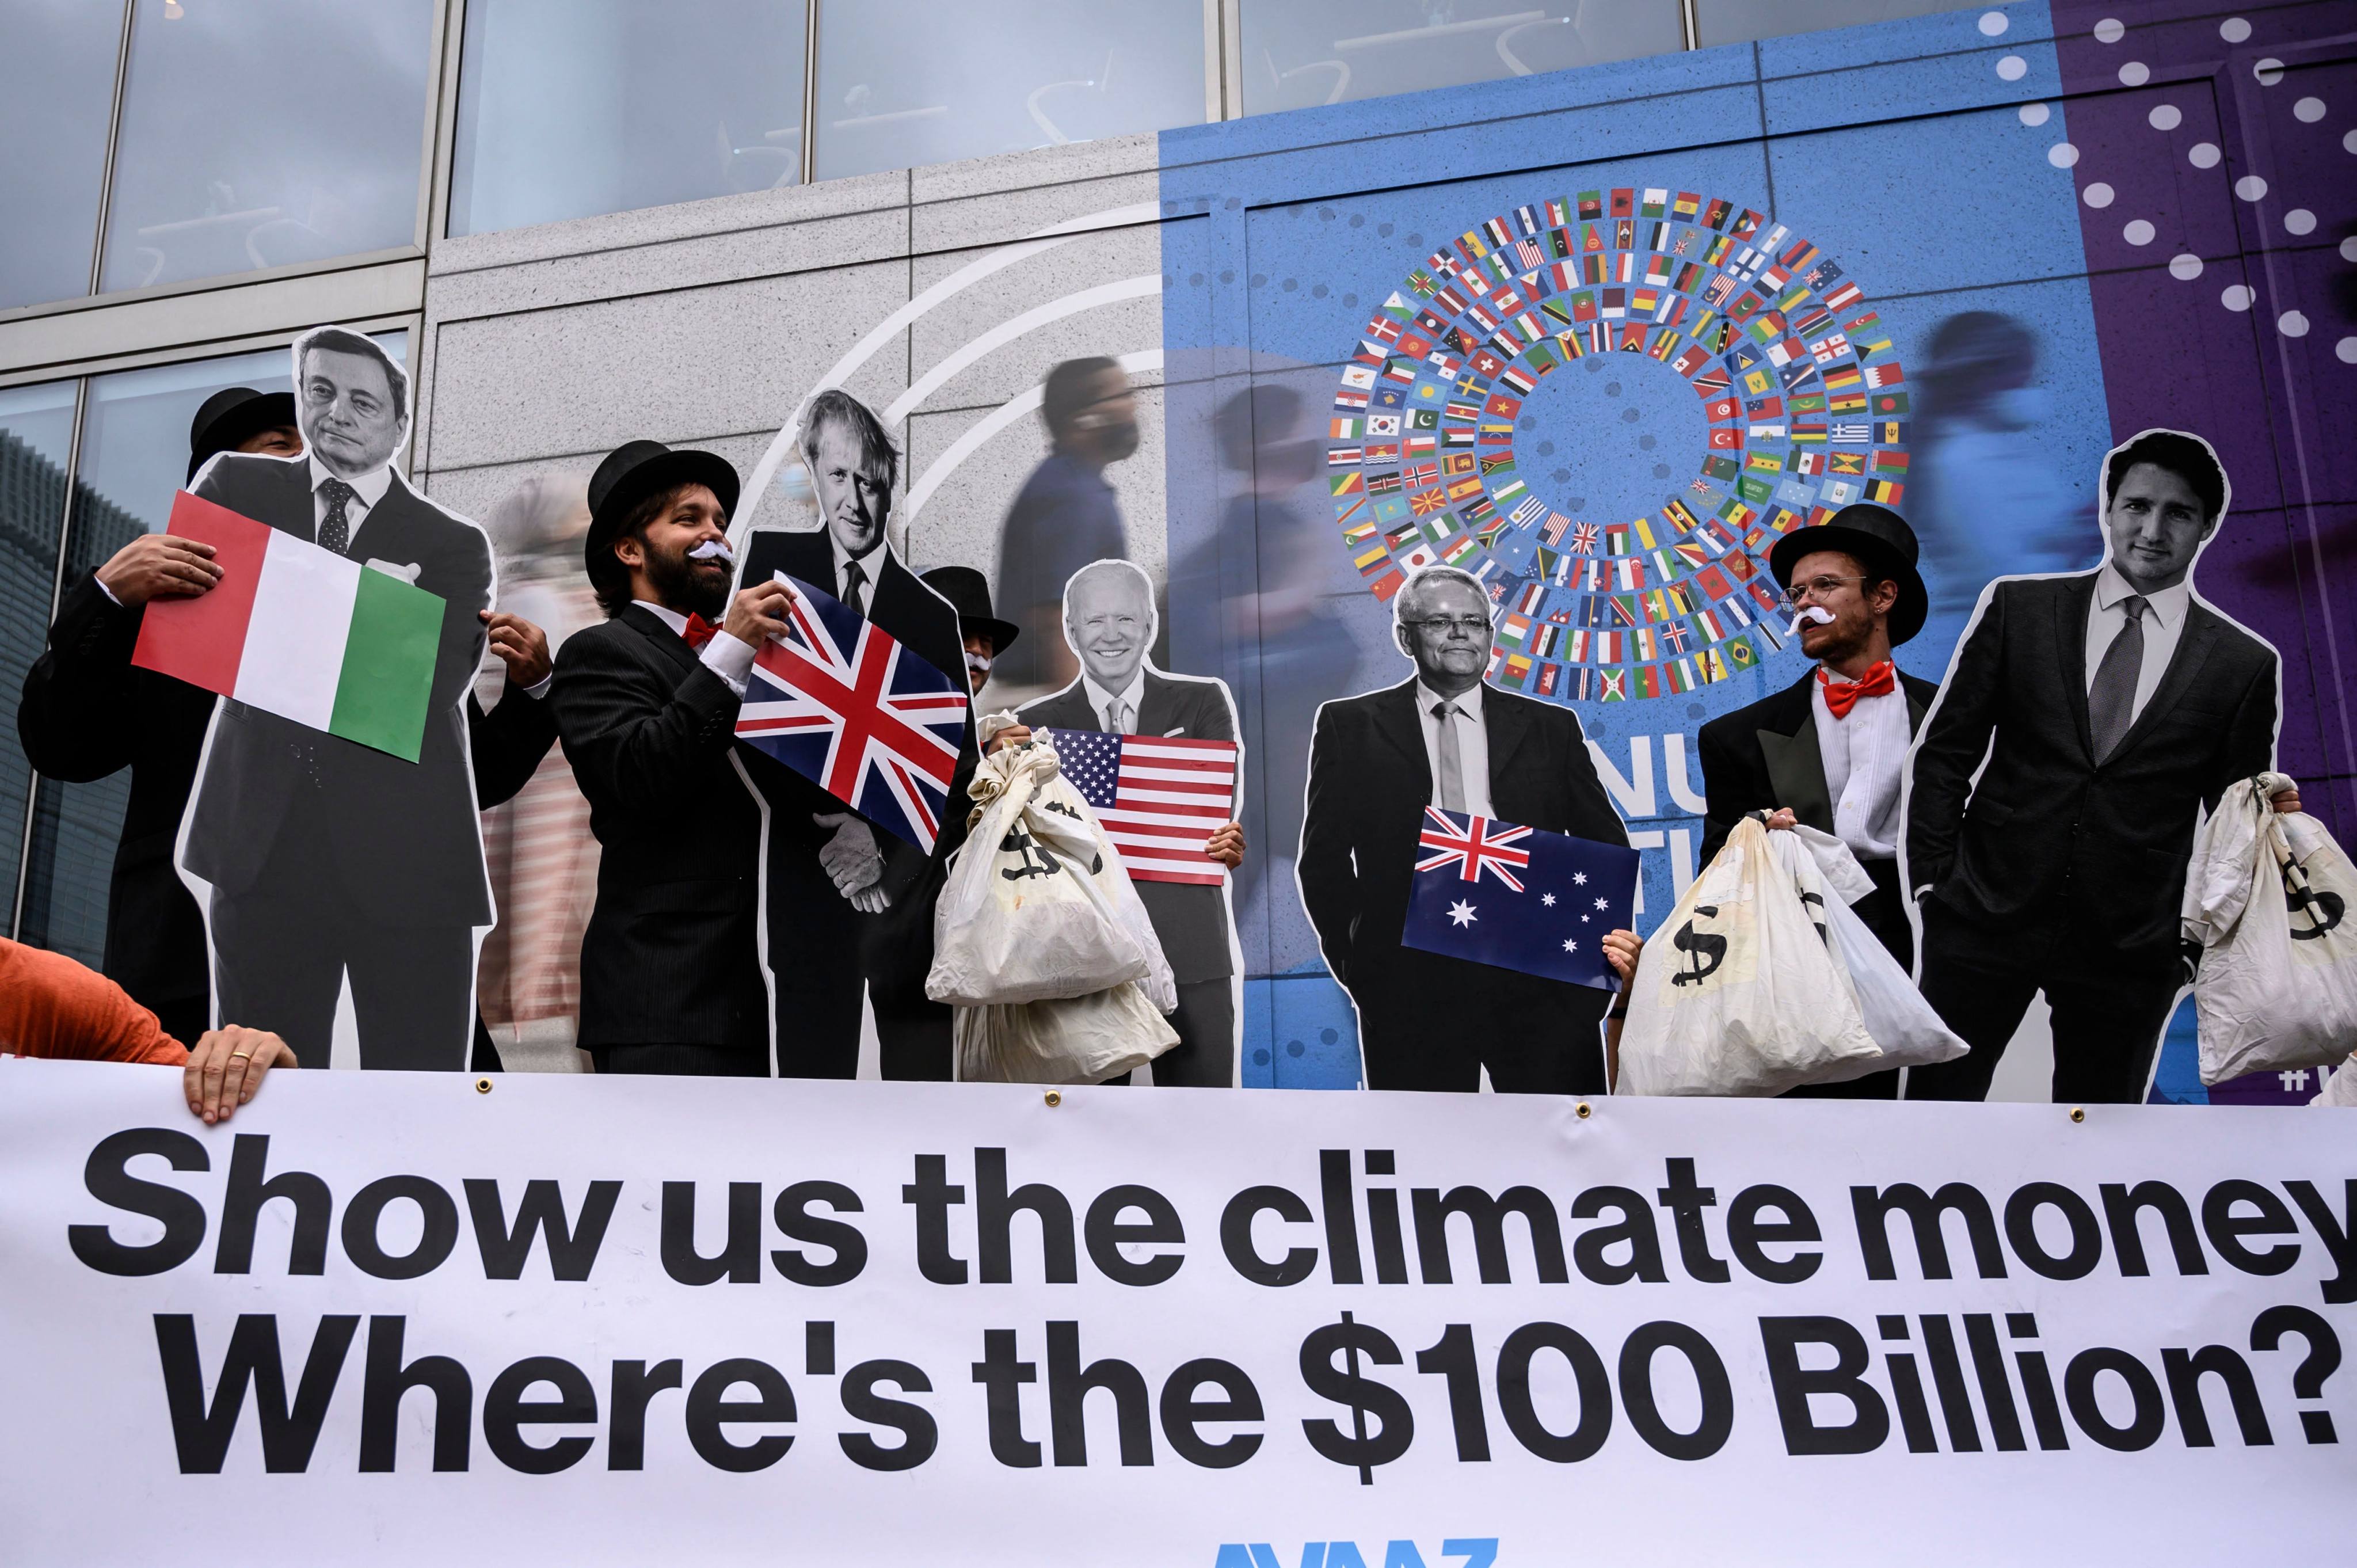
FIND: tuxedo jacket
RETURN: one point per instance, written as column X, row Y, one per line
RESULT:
column 1191, row 919
column 88, row 714
column 2046, row 821
column 1370, row 781
column 670, row 955
column 1764, row 757
column 404, row 839
column 898, row 945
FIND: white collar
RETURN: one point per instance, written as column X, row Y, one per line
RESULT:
column 1468, row 702
column 1098, row 697
column 2167, row 606
column 835, row 548
column 665, row 613
column 371, row 486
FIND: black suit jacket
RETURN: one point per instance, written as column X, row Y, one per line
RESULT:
column 2046, row 821
column 1191, row 920
column 898, row 945
column 670, row 955
column 1764, row 757
column 404, row 839
column 88, row 714
column 1369, row 784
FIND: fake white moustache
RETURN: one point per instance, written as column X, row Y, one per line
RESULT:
column 714, row 550
column 1817, row 613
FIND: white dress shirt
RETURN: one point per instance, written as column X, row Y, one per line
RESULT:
column 728, row 656
column 1864, row 752
column 368, row 489
column 871, row 566
column 1472, row 744
column 2164, row 623
column 1129, row 696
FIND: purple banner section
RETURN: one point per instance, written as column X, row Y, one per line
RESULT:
column 2214, row 156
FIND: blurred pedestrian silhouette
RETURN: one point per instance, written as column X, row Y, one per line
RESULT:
column 1066, row 515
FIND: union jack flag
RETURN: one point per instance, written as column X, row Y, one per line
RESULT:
column 1583, row 538
column 1479, row 845
column 863, row 717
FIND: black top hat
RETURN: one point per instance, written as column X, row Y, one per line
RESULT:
column 969, row 595
column 635, row 470
column 1882, row 542
column 231, row 415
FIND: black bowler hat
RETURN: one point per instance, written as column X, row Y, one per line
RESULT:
column 969, row 595
column 635, row 470
column 232, row 414
column 1881, row 541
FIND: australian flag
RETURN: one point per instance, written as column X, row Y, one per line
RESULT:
column 1520, row 898
column 843, row 703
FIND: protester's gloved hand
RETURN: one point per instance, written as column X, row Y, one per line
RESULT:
column 871, row 900
column 850, row 857
column 226, row 1065
column 159, row 566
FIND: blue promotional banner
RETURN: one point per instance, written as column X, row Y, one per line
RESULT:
column 1602, row 338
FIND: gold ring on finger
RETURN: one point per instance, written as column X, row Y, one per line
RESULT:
column 238, row 1056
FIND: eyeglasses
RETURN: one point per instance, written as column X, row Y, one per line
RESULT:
column 1820, row 588
column 1471, row 625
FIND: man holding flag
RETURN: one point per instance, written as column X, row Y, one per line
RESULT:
column 1378, row 765
column 647, row 703
column 89, row 712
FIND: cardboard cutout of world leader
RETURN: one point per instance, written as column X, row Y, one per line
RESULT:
column 1381, row 765
column 846, row 906
column 1157, row 756
column 320, row 860
column 2112, row 708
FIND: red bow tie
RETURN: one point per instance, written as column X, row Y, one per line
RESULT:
column 699, row 631
column 1843, row 695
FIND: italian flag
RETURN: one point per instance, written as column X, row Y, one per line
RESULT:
column 298, row 631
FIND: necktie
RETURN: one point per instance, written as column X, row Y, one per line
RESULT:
column 699, row 631
column 1452, row 764
column 2111, row 701
column 853, row 577
column 1843, row 695
column 1118, row 718
column 335, row 531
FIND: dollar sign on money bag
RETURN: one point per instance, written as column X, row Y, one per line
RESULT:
column 1699, row 945
column 1395, row 1422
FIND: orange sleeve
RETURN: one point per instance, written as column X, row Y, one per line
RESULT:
column 52, row 1007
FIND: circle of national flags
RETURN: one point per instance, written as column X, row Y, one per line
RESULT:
column 1800, row 385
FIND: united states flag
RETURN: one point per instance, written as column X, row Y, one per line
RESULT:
column 1158, row 798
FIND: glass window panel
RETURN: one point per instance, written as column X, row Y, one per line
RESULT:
column 571, row 108
column 1740, row 21
column 57, row 84
column 1297, row 53
column 36, row 431
column 264, row 132
column 134, row 455
column 904, row 83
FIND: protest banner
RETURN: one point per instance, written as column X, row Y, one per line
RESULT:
column 425, row 1317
